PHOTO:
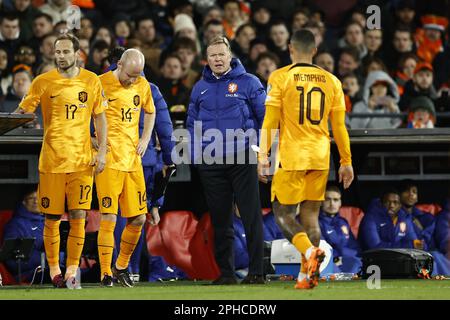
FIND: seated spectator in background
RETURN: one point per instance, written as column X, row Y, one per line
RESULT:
column 57, row 9
column 27, row 222
column 354, row 38
column 257, row 46
column 386, row 225
column 42, row 25
column 174, row 91
column 26, row 11
column 86, row 30
column 420, row 85
column 279, row 40
column 348, row 62
column 186, row 49
column 373, row 64
column 25, row 55
column 402, row 43
column 325, row 60
column 442, row 230
column 429, row 40
column 212, row 29
column 351, row 88
column 300, row 18
column 97, row 58
column 122, row 30
column 336, row 231
column 47, row 49
column 373, row 40
column 60, row 27
column 405, row 72
column 405, row 14
column 380, row 96
column 9, row 36
column 261, row 17
column 105, row 34
column 318, row 30
column 213, row 12
column 184, row 27
column 232, row 17
column 422, row 113
column 266, row 63
column 151, row 42
column 5, row 74
column 240, row 46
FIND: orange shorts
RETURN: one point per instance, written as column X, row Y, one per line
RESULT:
column 293, row 187
column 123, row 188
column 54, row 188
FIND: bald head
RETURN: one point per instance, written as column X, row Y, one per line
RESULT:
column 130, row 66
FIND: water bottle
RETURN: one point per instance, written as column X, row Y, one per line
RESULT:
column 344, row 276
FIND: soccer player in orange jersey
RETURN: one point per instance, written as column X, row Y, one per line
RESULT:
column 301, row 98
column 69, row 96
column 122, row 182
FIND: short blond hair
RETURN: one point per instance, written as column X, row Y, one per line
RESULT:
column 219, row 40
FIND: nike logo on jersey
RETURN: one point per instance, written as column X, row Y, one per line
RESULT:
column 34, row 228
column 203, row 91
column 382, row 224
column 51, row 97
column 111, row 100
column 330, row 231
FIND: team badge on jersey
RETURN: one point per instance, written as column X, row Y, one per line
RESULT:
column 136, row 100
column 232, row 87
column 106, row 202
column 402, row 227
column 45, row 202
column 82, row 96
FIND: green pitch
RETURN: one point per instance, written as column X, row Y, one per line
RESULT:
column 278, row 290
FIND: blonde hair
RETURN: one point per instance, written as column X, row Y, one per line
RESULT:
column 219, row 40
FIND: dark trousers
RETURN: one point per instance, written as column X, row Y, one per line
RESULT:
column 223, row 183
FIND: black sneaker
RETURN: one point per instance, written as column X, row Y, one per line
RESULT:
column 107, row 281
column 224, row 281
column 253, row 279
column 123, row 277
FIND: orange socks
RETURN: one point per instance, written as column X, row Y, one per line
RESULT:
column 75, row 243
column 51, row 244
column 106, row 246
column 129, row 240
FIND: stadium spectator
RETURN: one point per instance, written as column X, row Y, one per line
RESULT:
column 86, row 30
column 373, row 64
column 257, row 46
column 420, row 85
column 351, row 88
column 175, row 93
column 318, row 30
column 373, row 40
column 47, row 49
column 402, row 43
column 151, row 42
column 212, row 29
column 336, row 232
column 9, row 36
column 57, row 9
column 184, row 27
column 186, row 49
column 232, row 17
column 97, row 58
column 380, row 96
column 240, row 46
column 279, row 39
column 26, row 12
column 430, row 39
column 348, row 62
column 354, row 38
column 214, row 12
column 261, row 17
column 122, row 30
column 25, row 55
column 266, row 63
column 106, row 35
column 61, row 27
column 422, row 113
column 300, row 18
column 5, row 75
column 405, row 72
column 386, row 225
column 405, row 14
column 224, row 180
column 325, row 60
column 42, row 25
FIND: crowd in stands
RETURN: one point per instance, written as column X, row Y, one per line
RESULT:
column 383, row 71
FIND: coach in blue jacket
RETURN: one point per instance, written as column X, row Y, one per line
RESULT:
column 227, row 97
